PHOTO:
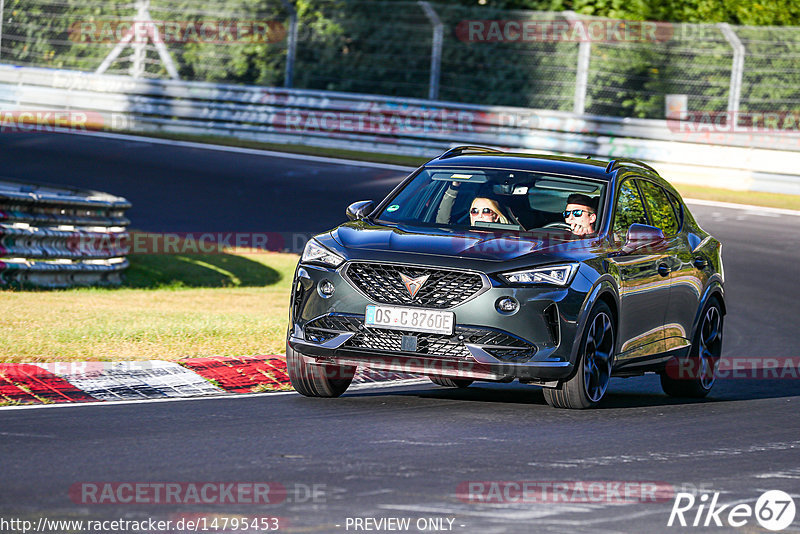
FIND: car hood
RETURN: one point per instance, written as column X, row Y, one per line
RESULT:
column 483, row 245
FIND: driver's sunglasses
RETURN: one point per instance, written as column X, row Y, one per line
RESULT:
column 575, row 213
column 485, row 211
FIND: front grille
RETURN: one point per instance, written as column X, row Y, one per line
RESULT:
column 328, row 327
column 447, row 347
column 452, row 347
column 443, row 288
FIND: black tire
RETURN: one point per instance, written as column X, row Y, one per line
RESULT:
column 589, row 383
column 316, row 379
column 703, row 358
column 451, row 382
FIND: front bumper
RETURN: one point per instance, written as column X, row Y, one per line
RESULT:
column 533, row 344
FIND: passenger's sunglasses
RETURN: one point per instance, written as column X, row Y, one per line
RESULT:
column 575, row 213
column 485, row 211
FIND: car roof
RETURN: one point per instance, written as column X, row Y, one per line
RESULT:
column 484, row 157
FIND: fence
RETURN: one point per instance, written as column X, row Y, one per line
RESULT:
column 58, row 237
column 458, row 53
column 395, row 125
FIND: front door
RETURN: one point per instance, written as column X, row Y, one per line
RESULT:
column 644, row 285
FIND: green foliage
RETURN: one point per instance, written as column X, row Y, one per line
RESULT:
column 745, row 12
column 629, row 210
column 383, row 47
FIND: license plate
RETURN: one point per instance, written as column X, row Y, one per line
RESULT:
column 414, row 319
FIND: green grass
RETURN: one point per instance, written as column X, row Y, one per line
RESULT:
column 755, row 198
column 171, row 307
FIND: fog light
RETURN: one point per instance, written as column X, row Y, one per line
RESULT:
column 326, row 288
column 507, row 305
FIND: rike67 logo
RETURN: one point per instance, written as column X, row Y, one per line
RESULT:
column 774, row 510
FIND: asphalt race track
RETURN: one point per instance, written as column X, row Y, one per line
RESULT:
column 194, row 190
column 404, row 452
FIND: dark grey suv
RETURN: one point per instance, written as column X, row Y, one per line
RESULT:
column 469, row 271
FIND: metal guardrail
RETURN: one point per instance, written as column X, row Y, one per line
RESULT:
column 56, row 237
column 762, row 161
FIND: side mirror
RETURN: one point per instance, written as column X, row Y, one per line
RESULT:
column 642, row 236
column 359, row 210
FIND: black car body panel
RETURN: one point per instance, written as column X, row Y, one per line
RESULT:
column 655, row 293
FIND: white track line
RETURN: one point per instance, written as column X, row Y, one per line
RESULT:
column 242, row 150
column 356, row 163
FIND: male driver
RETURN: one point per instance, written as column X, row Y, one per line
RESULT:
column 580, row 214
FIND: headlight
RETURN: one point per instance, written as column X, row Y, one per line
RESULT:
column 316, row 253
column 559, row 275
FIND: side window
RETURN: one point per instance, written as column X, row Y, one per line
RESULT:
column 629, row 210
column 677, row 205
column 659, row 207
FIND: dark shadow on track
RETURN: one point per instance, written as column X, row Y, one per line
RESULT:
column 198, row 270
column 629, row 395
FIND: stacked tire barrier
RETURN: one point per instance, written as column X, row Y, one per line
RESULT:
column 56, row 237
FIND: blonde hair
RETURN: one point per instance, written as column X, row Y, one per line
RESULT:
column 501, row 218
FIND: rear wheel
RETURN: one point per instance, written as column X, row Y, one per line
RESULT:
column 451, row 382
column 588, row 385
column 695, row 376
column 316, row 379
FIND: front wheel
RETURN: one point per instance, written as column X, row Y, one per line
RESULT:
column 588, row 385
column 316, row 379
column 451, row 382
column 695, row 376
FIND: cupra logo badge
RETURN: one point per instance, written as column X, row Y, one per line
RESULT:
column 413, row 285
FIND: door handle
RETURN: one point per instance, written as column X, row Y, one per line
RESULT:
column 663, row 269
column 699, row 263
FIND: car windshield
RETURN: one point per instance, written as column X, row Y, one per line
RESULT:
column 494, row 199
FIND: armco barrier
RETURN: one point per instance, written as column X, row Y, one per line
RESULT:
column 60, row 237
column 756, row 160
